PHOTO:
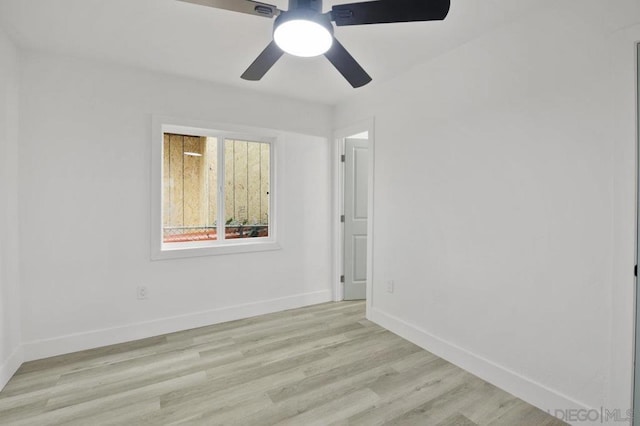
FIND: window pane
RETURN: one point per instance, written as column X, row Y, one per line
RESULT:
column 246, row 189
column 189, row 188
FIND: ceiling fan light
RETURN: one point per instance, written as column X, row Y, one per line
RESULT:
column 303, row 37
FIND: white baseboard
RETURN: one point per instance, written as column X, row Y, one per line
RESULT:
column 10, row 366
column 97, row 338
column 522, row 387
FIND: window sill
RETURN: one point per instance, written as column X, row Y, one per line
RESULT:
column 235, row 248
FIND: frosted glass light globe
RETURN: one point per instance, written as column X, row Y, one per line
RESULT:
column 301, row 37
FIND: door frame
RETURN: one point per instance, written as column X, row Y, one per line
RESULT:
column 635, row 400
column 339, row 136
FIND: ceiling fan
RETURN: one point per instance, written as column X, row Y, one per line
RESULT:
column 303, row 30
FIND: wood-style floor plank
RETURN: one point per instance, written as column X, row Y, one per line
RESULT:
column 320, row 365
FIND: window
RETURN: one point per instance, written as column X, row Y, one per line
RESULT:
column 215, row 195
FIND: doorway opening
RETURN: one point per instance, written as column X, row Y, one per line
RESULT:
column 355, row 222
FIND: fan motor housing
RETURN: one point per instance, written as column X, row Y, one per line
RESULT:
column 315, row 5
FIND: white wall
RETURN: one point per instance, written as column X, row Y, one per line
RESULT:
column 85, row 208
column 10, row 354
column 504, row 204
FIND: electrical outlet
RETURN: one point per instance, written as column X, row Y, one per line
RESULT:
column 391, row 286
column 143, row 293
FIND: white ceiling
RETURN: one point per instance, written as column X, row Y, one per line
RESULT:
column 217, row 45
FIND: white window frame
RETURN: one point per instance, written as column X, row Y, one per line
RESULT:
column 161, row 250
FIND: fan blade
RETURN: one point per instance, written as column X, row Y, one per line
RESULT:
column 263, row 62
column 243, row 6
column 388, row 11
column 347, row 65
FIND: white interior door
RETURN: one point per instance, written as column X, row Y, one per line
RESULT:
column 356, row 178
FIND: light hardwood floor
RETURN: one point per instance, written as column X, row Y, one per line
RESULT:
column 321, row 365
